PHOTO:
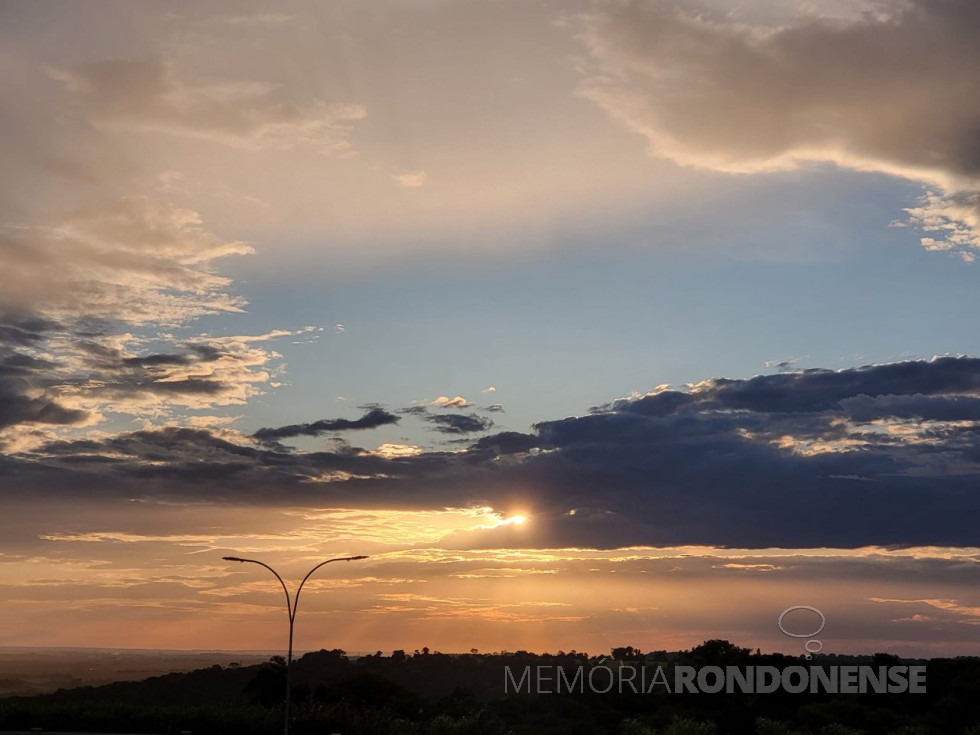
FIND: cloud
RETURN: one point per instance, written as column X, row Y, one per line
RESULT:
column 506, row 442
column 411, row 179
column 489, row 389
column 147, row 95
column 786, row 365
column 130, row 260
column 129, row 561
column 22, row 396
column 881, row 455
column 389, row 450
column 84, row 296
column 371, row 420
column 890, row 92
column 971, row 614
column 256, row 19
column 458, row 423
column 454, row 402
column 16, row 408
column 86, row 378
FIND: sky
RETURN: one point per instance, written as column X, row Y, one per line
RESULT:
column 591, row 323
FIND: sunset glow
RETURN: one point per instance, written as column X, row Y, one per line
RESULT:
column 590, row 324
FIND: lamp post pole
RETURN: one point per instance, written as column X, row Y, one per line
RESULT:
column 291, row 603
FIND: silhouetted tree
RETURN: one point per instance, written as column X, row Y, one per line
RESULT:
column 266, row 689
column 627, row 653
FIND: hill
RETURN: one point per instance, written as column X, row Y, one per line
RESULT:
column 478, row 694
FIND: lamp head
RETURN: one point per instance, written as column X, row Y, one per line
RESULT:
column 355, row 558
column 232, row 558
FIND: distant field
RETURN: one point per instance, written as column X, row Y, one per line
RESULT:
column 26, row 671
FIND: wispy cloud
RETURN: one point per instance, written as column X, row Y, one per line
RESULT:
column 147, row 95
column 411, row 179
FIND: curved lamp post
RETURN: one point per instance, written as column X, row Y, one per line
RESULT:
column 291, row 603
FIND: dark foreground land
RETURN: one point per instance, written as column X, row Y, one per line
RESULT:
column 29, row 671
column 429, row 693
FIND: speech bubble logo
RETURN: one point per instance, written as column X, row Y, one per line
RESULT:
column 812, row 646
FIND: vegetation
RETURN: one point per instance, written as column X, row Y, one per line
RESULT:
column 429, row 693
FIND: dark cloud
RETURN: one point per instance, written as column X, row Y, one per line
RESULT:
column 453, row 423
column 819, row 390
column 507, row 442
column 100, row 372
column 458, row 423
column 884, row 454
column 24, row 330
column 867, row 408
column 374, row 418
column 23, row 376
column 17, row 407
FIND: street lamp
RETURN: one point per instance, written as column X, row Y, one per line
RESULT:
column 291, row 604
